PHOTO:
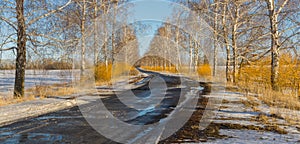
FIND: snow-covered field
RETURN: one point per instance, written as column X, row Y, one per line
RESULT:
column 36, row 77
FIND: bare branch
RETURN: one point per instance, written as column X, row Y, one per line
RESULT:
column 282, row 6
column 49, row 13
column 288, row 38
column 260, row 56
column 7, row 49
column 9, row 23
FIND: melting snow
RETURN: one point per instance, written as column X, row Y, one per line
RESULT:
column 235, row 112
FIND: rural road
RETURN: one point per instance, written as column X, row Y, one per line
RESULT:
column 70, row 126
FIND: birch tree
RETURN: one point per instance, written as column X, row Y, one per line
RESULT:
column 215, row 27
column 273, row 16
column 235, row 18
column 83, row 16
column 279, row 36
column 241, row 13
column 226, row 39
column 20, row 24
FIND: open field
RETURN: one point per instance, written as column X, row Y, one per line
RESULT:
column 36, row 78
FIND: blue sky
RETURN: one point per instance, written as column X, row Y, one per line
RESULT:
column 152, row 9
column 152, row 12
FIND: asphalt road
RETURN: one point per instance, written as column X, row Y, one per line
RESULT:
column 69, row 125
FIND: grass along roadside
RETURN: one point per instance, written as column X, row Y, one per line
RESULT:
column 253, row 90
column 254, row 81
column 39, row 92
column 278, row 104
column 105, row 74
column 52, row 90
column 45, row 91
column 7, row 100
column 255, row 78
column 202, row 72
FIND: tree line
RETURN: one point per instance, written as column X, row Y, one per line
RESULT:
column 95, row 32
column 247, row 31
column 80, row 30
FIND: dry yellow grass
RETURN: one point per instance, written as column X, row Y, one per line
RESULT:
column 52, row 90
column 279, row 99
column 292, row 117
column 171, row 69
column 273, row 98
column 204, row 70
column 104, row 74
column 3, row 101
column 201, row 71
column 39, row 91
column 10, row 100
column 256, row 78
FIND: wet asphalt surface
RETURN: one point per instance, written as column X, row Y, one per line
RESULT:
column 69, row 126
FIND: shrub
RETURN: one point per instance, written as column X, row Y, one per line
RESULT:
column 170, row 69
column 105, row 73
column 204, row 70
